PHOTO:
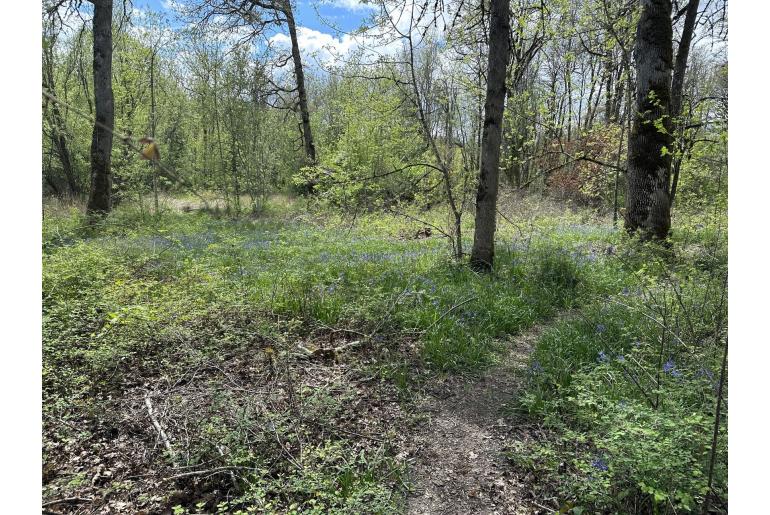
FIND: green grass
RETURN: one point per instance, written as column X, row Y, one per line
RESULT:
column 207, row 313
column 626, row 386
column 169, row 304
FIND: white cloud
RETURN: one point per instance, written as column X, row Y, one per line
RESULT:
column 319, row 45
column 171, row 5
column 351, row 5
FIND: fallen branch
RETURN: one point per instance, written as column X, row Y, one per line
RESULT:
column 392, row 308
column 68, row 500
column 159, row 429
column 469, row 299
column 217, row 470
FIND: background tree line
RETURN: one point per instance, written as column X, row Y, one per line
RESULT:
column 403, row 119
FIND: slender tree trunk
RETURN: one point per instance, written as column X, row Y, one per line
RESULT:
column 59, row 129
column 153, row 124
column 307, row 135
column 221, row 179
column 60, row 142
column 682, row 54
column 608, row 114
column 647, row 203
column 100, row 196
column 715, row 434
column 677, row 86
column 82, row 71
column 619, row 93
column 592, row 112
column 482, row 255
column 581, row 91
column 455, row 209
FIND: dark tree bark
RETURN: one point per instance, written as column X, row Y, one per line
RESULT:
column 482, row 255
column 100, row 196
column 648, row 208
column 677, row 84
column 299, row 74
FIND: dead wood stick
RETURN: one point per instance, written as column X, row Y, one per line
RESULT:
column 205, row 472
column 159, row 429
column 469, row 299
column 68, row 500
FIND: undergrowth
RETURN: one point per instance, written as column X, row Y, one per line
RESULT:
column 626, row 387
column 280, row 354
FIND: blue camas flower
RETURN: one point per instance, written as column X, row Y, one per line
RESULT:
column 669, row 367
column 602, row 357
column 600, row 464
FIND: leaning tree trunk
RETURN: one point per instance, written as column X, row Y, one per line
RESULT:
column 307, row 135
column 677, row 86
column 100, row 197
column 483, row 251
column 648, row 208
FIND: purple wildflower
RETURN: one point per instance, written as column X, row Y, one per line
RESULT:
column 602, row 357
column 705, row 372
column 600, row 464
column 669, row 367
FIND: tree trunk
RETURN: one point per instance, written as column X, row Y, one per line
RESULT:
column 153, row 124
column 307, row 135
column 482, row 255
column 100, row 197
column 677, row 85
column 59, row 129
column 59, row 140
column 648, row 207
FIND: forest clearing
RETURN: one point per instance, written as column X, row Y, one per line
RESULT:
column 292, row 359
column 384, row 257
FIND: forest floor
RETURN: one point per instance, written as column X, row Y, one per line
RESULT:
column 296, row 362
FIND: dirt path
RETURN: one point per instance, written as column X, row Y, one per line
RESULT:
column 460, row 468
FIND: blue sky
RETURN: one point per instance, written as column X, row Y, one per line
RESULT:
column 322, row 26
column 345, row 14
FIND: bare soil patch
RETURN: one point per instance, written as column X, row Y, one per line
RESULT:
column 460, row 467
